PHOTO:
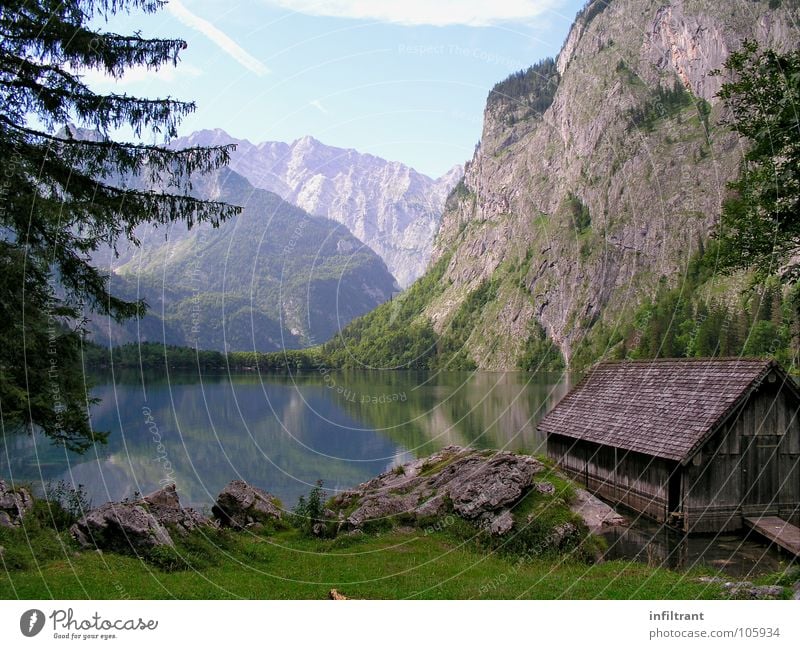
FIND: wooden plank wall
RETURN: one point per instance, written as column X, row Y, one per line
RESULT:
column 632, row 479
column 718, row 492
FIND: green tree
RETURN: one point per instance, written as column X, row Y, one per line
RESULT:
column 760, row 225
column 62, row 197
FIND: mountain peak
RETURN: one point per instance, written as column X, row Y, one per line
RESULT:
column 306, row 141
column 388, row 205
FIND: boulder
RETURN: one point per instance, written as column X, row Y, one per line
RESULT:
column 382, row 506
column 492, row 484
column 483, row 488
column 499, row 523
column 595, row 513
column 166, row 509
column 138, row 524
column 476, row 485
column 120, row 526
column 434, row 506
column 14, row 504
column 242, row 505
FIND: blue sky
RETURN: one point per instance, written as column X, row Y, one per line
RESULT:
column 403, row 79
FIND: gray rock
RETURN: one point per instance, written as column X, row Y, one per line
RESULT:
column 546, row 488
column 166, row 498
column 140, row 524
column 501, row 523
column 166, row 508
column 560, row 534
column 479, row 486
column 595, row 513
column 745, row 589
column 14, row 504
column 242, row 505
column 121, row 527
column 494, row 484
column 433, row 506
column 382, row 506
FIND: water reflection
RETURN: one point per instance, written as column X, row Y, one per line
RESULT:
column 742, row 556
column 283, row 433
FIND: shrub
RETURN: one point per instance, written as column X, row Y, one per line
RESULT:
column 64, row 504
column 308, row 516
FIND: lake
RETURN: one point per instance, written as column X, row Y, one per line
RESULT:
column 283, row 433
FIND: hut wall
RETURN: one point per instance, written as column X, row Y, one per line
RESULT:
column 749, row 468
column 633, row 479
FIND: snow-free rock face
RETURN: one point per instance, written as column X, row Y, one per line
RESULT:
column 482, row 487
column 477, row 486
column 137, row 524
column 14, row 504
column 577, row 211
column 389, row 206
column 242, row 505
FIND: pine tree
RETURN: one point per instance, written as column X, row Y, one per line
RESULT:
column 59, row 201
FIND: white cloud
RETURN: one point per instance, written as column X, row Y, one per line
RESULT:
column 140, row 74
column 316, row 103
column 217, row 36
column 474, row 13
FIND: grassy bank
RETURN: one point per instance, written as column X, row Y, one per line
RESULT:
column 282, row 564
column 400, row 564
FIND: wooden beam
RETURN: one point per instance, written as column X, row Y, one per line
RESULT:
column 777, row 530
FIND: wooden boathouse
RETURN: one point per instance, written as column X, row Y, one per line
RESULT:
column 705, row 445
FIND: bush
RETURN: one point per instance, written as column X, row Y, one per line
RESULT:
column 308, row 516
column 63, row 504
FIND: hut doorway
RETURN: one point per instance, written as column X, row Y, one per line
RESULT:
column 760, row 475
column 674, row 492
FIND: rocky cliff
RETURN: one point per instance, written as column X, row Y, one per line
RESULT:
column 597, row 177
column 389, row 206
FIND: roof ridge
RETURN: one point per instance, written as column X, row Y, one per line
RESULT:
column 704, row 359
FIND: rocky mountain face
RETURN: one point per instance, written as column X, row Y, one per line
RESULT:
column 271, row 278
column 389, row 206
column 598, row 176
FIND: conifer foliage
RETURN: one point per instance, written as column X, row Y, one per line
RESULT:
column 61, row 196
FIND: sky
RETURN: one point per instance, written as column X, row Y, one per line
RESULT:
column 405, row 80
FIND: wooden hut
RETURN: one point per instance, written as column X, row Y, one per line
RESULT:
column 701, row 444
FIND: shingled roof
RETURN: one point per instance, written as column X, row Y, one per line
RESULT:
column 663, row 407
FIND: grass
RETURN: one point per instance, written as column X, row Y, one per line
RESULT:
column 403, row 563
column 449, row 560
column 39, row 560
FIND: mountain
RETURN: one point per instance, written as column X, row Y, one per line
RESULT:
column 581, row 218
column 273, row 277
column 389, row 206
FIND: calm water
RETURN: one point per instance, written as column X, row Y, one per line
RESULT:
column 284, row 433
